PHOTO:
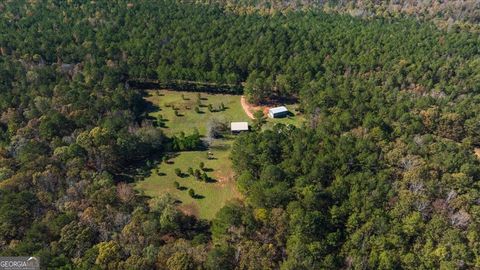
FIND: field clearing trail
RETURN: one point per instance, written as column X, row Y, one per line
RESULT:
column 249, row 108
column 246, row 107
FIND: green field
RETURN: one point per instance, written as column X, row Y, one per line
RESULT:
column 212, row 195
column 189, row 119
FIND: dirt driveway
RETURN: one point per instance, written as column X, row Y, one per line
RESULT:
column 249, row 108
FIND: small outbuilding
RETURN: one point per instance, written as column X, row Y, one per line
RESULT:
column 237, row 127
column 278, row 112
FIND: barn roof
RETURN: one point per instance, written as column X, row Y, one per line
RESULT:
column 280, row 109
column 239, row 126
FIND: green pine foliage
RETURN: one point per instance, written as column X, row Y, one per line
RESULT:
column 381, row 176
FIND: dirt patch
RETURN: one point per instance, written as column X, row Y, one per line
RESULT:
column 250, row 109
column 189, row 209
column 225, row 178
column 477, row 152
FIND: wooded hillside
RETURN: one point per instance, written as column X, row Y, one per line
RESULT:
column 382, row 176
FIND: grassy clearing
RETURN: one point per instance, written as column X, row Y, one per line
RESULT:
column 296, row 119
column 212, row 195
column 188, row 119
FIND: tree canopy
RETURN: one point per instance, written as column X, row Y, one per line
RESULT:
column 382, row 175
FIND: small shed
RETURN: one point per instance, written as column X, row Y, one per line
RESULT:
column 237, row 127
column 278, row 112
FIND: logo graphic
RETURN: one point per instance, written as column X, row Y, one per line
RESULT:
column 19, row 263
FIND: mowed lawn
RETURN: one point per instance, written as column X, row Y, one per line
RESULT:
column 188, row 119
column 212, row 195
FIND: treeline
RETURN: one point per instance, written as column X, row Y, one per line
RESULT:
column 190, row 86
column 451, row 15
column 278, row 55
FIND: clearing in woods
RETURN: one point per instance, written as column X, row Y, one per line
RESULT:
column 295, row 119
column 213, row 195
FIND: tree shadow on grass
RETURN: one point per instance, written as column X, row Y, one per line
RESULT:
column 147, row 106
column 151, row 118
column 207, row 169
column 124, row 178
column 138, row 169
column 212, row 180
column 161, row 124
column 177, row 201
column 220, row 147
column 223, row 110
column 173, row 154
column 198, row 197
column 170, row 158
column 182, row 188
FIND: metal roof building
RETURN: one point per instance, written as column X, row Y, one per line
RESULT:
column 236, row 127
column 276, row 112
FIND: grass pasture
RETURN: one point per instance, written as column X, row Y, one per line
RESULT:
column 212, row 195
column 187, row 118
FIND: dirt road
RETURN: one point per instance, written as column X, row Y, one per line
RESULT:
column 246, row 107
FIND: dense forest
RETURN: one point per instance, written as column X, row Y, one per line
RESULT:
column 452, row 15
column 382, row 176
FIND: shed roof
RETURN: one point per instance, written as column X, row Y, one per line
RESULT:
column 280, row 109
column 239, row 126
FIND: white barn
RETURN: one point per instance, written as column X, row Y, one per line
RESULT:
column 237, row 127
column 277, row 112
